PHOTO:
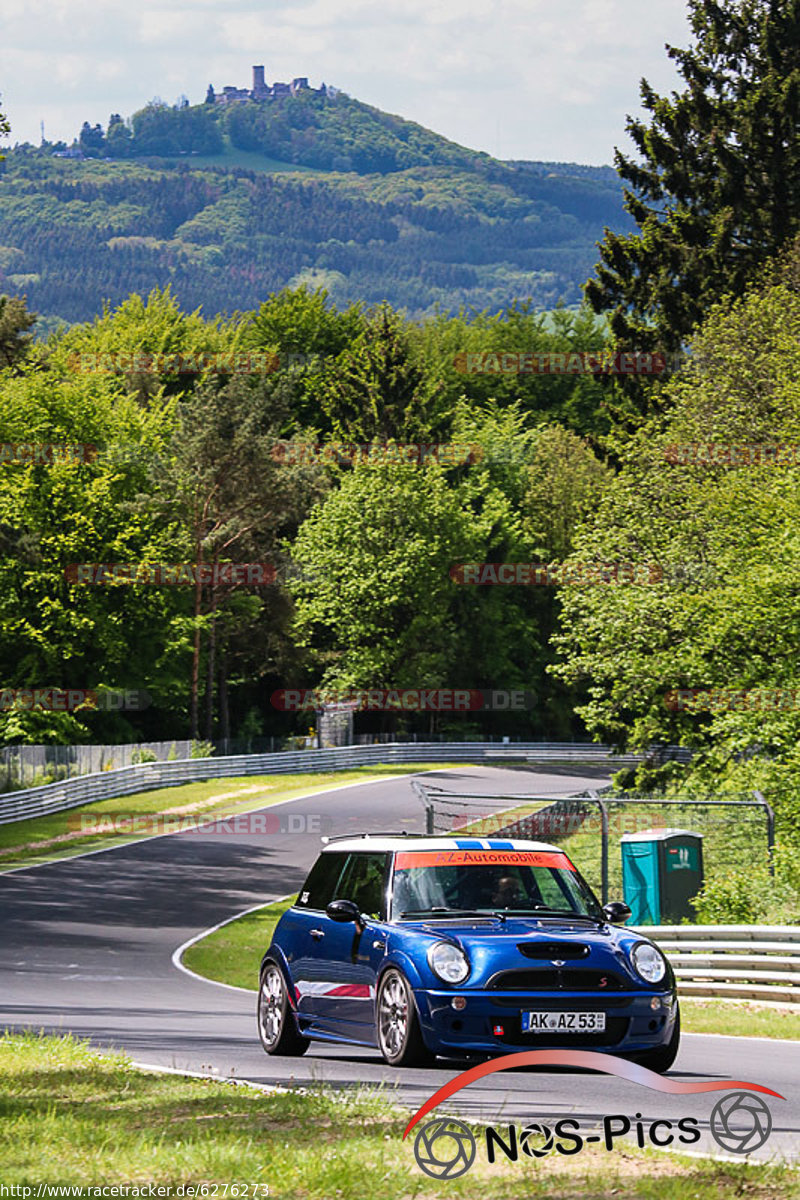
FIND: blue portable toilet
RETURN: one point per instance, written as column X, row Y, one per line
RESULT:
column 662, row 869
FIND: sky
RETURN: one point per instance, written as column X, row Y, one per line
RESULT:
column 548, row 80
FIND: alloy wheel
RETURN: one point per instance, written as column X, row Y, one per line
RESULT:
column 393, row 1016
column 272, row 1005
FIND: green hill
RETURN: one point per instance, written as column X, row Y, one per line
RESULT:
column 229, row 202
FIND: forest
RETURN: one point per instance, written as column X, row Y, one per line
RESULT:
column 656, row 513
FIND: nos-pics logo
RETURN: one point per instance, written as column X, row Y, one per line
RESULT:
column 445, row 1148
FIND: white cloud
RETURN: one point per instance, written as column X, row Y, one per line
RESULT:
column 521, row 79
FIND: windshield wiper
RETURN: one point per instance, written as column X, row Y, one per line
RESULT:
column 450, row 912
column 502, row 914
column 542, row 910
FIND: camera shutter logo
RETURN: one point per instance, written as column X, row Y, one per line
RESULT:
column 740, row 1122
column 444, row 1149
column 536, row 1140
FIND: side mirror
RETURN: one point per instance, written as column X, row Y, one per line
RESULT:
column 616, row 912
column 344, row 911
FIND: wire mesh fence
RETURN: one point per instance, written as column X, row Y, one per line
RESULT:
column 33, row 766
column 736, row 832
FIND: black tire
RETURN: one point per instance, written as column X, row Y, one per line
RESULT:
column 397, row 1023
column 661, row 1060
column 277, row 1027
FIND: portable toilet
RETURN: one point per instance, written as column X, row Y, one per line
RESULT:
column 661, row 870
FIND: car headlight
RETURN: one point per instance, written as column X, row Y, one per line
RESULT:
column 649, row 962
column 448, row 962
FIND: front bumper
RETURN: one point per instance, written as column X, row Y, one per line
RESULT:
column 632, row 1024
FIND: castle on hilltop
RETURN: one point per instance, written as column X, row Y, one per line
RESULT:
column 264, row 91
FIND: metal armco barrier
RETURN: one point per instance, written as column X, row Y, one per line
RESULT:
column 733, row 962
column 106, row 785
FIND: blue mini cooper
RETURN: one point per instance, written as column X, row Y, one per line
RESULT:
column 426, row 946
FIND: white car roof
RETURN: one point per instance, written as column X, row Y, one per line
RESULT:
column 382, row 843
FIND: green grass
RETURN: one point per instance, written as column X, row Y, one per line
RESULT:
column 233, row 953
column 46, row 839
column 739, row 1019
column 73, row 1117
column 233, row 156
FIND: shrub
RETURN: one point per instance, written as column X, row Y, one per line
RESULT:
column 735, row 898
column 751, row 896
column 143, row 755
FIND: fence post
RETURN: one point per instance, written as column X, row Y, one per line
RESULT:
column 770, row 829
column 603, row 846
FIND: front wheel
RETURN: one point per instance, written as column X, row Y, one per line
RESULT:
column 661, row 1060
column 276, row 1023
column 399, row 1035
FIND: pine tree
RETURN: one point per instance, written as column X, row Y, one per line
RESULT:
column 15, row 321
column 5, row 129
column 715, row 188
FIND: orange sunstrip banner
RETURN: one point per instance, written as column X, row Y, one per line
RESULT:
column 466, row 858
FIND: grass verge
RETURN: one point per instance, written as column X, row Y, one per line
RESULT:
column 233, row 953
column 46, row 839
column 739, row 1019
column 77, row 1118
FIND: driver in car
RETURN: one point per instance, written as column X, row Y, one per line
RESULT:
column 508, row 893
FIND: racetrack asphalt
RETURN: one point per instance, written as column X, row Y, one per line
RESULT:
column 87, row 947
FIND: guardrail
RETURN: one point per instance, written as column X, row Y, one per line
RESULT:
column 106, row 785
column 733, row 962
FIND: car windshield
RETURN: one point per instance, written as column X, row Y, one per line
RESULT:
column 476, row 881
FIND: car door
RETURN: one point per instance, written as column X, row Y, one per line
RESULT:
column 349, row 958
column 302, row 931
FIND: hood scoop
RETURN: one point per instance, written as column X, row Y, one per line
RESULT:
column 553, row 950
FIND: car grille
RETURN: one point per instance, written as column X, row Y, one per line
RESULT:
column 556, row 980
column 614, row 1032
column 566, row 1001
column 551, row 950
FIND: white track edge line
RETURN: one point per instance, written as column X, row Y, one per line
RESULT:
column 269, row 1089
column 198, row 937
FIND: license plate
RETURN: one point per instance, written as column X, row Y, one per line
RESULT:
column 563, row 1022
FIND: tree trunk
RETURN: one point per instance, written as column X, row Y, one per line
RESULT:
column 194, row 715
column 211, row 670
column 224, row 711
